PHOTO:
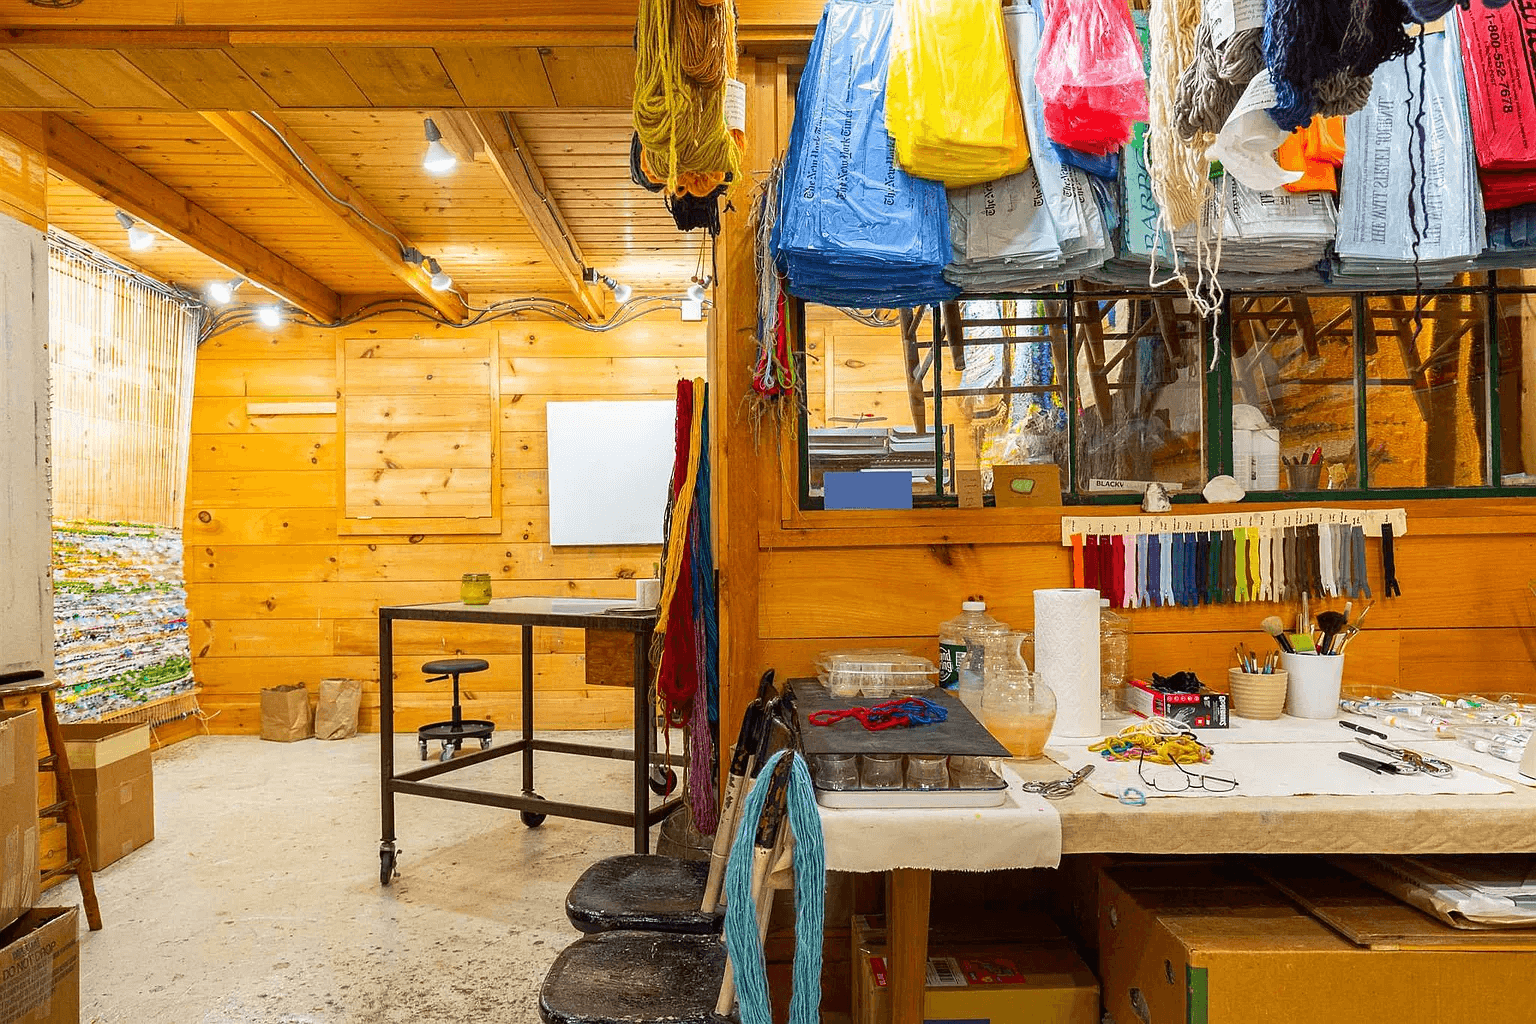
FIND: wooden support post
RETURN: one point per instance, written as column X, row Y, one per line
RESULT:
column 954, row 330
column 916, row 398
column 86, row 162
column 1098, row 373
column 1407, row 345
column 908, row 893
column 301, row 170
column 515, row 166
column 1301, row 309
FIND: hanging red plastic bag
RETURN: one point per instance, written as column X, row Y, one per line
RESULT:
column 1498, row 65
column 1090, row 74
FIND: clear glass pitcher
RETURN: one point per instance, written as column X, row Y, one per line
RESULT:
column 1018, row 708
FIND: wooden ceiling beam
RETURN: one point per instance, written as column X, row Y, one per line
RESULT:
column 98, row 169
column 362, row 222
column 514, row 164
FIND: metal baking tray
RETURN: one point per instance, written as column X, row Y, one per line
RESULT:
column 991, row 794
column 959, row 735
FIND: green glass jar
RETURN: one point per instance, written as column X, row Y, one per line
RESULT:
column 475, row 588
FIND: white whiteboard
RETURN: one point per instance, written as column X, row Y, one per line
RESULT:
column 610, row 466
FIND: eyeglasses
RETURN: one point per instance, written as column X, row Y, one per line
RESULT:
column 1210, row 780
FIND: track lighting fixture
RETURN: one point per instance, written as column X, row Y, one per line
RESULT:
column 439, row 158
column 139, row 237
column 441, row 282
column 696, row 292
column 270, row 317
column 621, row 292
column 223, row 292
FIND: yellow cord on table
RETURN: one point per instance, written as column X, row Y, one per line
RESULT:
column 1146, row 742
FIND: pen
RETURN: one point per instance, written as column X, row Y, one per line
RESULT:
column 1355, row 726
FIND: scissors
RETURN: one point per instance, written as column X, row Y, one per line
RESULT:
column 1059, row 789
column 1412, row 758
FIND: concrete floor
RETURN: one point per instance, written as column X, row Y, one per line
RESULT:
column 259, row 900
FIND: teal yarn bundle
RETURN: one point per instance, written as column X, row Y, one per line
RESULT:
column 741, row 935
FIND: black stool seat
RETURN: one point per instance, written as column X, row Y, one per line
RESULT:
column 455, row 666
column 635, row 977
column 642, row 893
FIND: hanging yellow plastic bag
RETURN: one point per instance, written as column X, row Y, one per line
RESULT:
column 952, row 105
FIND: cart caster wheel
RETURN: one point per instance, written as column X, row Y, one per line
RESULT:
column 424, row 753
column 531, row 819
column 447, row 754
column 485, row 744
column 389, row 861
column 661, row 784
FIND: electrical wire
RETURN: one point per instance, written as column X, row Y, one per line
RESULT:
column 235, row 317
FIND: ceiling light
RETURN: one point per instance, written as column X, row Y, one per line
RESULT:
column 270, row 317
column 223, row 292
column 439, row 158
column 696, row 293
column 441, row 282
column 139, row 237
column 621, row 292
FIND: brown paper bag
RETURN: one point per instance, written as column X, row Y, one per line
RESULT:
column 336, row 714
column 285, row 714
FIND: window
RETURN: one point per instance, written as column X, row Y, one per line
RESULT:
column 1346, row 394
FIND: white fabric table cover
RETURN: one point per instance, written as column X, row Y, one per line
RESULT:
column 1023, row 832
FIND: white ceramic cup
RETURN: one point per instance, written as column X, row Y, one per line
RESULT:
column 1314, row 685
column 648, row 593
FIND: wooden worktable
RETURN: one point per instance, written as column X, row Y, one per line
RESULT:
column 1094, row 823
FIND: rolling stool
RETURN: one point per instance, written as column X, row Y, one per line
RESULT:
column 454, row 733
column 66, row 808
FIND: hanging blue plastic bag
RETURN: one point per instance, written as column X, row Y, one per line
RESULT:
column 854, row 229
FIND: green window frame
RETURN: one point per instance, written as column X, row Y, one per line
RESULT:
column 1219, row 384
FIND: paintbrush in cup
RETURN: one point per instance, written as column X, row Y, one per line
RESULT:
column 1276, row 628
column 1332, row 624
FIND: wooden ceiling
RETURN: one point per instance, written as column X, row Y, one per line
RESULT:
column 166, row 133
column 314, row 78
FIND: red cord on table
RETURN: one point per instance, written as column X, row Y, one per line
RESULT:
column 892, row 714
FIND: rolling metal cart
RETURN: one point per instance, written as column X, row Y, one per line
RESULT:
column 528, row 613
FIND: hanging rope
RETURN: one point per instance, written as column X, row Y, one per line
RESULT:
column 680, row 120
column 1214, row 81
column 702, row 40
column 672, row 650
column 1321, row 54
column 742, row 940
column 1180, row 172
column 706, row 640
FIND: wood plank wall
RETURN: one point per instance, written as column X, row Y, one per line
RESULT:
column 277, row 595
column 795, row 583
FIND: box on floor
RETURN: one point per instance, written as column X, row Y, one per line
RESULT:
column 1041, row 980
column 40, row 967
column 1212, row 944
column 19, row 872
column 114, row 785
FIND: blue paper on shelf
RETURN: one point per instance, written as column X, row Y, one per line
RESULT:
column 853, row 228
column 867, row 488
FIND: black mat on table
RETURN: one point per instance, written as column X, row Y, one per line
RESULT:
column 959, row 735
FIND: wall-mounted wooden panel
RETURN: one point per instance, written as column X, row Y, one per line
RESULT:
column 278, row 593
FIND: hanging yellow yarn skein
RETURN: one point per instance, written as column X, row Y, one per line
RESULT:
column 680, row 121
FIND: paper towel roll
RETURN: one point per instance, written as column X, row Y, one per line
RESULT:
column 1067, row 656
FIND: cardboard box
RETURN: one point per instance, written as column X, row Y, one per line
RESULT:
column 1210, row 944
column 1043, row 982
column 40, row 968
column 1204, row 710
column 114, row 785
column 19, row 872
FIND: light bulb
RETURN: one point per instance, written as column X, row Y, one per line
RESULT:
column 223, row 292
column 696, row 293
column 441, row 282
column 621, row 293
column 439, row 158
column 270, row 317
column 140, row 239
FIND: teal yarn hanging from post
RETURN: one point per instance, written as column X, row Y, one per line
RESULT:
column 741, row 935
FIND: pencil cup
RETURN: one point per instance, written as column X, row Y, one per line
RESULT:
column 1304, row 477
column 1315, row 682
column 1255, row 694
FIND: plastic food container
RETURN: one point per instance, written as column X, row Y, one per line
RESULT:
column 876, row 673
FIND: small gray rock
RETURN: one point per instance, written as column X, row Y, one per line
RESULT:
column 1156, row 499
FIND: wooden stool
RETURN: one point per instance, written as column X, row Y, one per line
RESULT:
column 66, row 808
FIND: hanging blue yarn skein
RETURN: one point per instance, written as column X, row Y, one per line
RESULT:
column 1424, row 11
column 1313, row 46
column 741, row 936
